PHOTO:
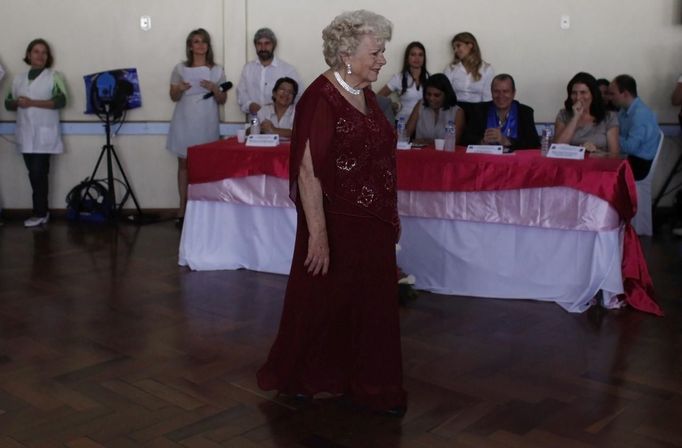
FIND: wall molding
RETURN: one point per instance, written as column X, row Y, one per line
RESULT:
column 129, row 128
column 226, row 129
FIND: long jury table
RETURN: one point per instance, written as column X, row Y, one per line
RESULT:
column 511, row 226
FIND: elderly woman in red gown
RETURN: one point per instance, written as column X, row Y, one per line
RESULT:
column 340, row 329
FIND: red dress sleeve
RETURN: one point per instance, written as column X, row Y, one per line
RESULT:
column 314, row 124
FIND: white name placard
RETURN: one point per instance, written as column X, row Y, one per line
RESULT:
column 263, row 140
column 563, row 151
column 485, row 149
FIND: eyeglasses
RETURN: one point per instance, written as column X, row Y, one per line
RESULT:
column 285, row 90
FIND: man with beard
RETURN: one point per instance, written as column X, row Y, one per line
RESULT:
column 259, row 76
column 639, row 134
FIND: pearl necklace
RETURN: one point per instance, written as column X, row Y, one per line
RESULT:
column 345, row 85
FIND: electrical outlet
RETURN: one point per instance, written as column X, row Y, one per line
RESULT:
column 565, row 22
column 145, row 23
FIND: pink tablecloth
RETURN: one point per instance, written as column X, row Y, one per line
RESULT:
column 429, row 170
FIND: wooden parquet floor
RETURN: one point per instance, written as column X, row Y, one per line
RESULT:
column 106, row 342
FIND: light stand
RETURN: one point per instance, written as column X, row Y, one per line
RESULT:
column 109, row 95
column 113, row 211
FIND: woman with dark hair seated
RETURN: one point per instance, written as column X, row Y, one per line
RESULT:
column 502, row 121
column 278, row 117
column 585, row 121
column 430, row 118
column 408, row 84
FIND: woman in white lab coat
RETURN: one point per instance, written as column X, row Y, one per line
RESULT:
column 36, row 96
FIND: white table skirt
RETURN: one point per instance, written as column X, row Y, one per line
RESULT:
column 221, row 235
column 510, row 261
column 446, row 256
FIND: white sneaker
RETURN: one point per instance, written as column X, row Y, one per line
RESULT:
column 34, row 221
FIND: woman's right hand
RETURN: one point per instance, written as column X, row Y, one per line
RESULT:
column 578, row 108
column 317, row 260
column 590, row 147
column 176, row 90
column 24, row 102
column 267, row 127
column 181, row 86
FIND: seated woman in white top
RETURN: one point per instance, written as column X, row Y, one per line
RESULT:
column 407, row 84
column 430, row 117
column 469, row 74
column 278, row 117
column 584, row 121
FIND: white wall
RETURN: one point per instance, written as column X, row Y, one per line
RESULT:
column 93, row 35
column 521, row 37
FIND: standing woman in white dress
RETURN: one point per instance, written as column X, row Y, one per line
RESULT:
column 470, row 76
column 195, row 120
column 36, row 96
column 409, row 82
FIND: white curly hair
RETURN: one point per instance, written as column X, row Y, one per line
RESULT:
column 344, row 33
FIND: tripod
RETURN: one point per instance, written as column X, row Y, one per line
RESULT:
column 108, row 149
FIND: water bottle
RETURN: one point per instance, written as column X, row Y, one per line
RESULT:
column 450, row 132
column 400, row 130
column 545, row 140
column 255, row 125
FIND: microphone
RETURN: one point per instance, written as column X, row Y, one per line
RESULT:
column 224, row 87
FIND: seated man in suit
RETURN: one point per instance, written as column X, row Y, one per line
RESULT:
column 639, row 133
column 502, row 121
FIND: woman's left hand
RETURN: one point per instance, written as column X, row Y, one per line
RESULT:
column 24, row 102
column 317, row 259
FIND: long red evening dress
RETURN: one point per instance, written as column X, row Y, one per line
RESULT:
column 340, row 333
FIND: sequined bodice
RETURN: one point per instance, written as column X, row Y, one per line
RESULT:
column 363, row 153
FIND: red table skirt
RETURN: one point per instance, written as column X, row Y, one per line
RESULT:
column 430, row 170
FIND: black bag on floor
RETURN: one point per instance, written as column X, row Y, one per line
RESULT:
column 88, row 201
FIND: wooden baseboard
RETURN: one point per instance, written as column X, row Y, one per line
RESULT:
column 23, row 213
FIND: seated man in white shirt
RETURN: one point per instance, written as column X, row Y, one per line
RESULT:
column 259, row 76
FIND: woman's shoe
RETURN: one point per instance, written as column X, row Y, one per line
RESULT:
column 35, row 221
column 302, row 398
column 296, row 400
column 398, row 412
